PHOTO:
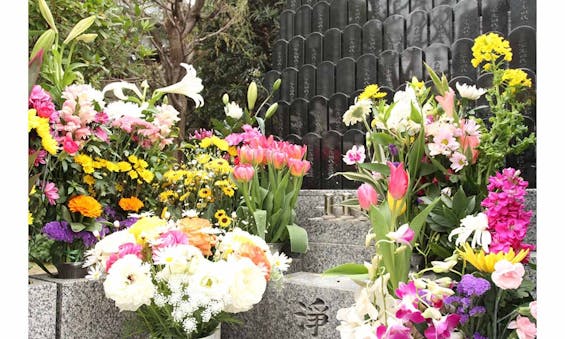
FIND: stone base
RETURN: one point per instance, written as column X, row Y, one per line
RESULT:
column 42, row 309
column 304, row 307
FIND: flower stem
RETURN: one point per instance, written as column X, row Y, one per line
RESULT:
column 495, row 313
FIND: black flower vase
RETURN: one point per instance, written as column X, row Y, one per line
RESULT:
column 71, row 270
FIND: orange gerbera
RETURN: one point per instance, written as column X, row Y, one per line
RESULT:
column 130, row 204
column 85, row 205
column 196, row 237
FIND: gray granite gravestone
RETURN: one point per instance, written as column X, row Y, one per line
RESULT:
column 444, row 2
column 303, row 21
column 321, row 17
column 42, row 308
column 309, row 2
column 372, row 37
column 482, row 111
column 411, row 64
column 332, row 45
column 522, row 13
column 401, row 7
column 377, row 9
column 289, row 84
column 298, row 114
column 366, row 71
column 494, row 16
column 338, row 14
column 437, row 57
column 337, row 105
column 293, row 4
column 318, row 114
column 466, row 19
column 461, row 56
column 523, row 44
column 280, row 120
column 345, row 75
column 286, row 30
column 417, row 29
column 307, row 81
column 441, row 25
column 312, row 142
column 388, row 69
column 357, row 12
column 351, row 41
column 331, row 159
column 350, row 138
column 279, row 55
column 394, row 33
column 295, row 57
column 325, row 79
column 313, row 49
column 424, row 5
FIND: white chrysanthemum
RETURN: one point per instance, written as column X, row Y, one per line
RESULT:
column 233, row 110
column 357, row 112
column 232, row 241
column 106, row 246
column 118, row 109
column 473, row 224
column 190, row 213
column 247, row 286
column 211, row 280
column 129, row 283
column 179, row 259
column 399, row 118
column 470, row 91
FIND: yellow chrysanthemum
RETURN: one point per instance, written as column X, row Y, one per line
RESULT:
column 112, row 166
column 232, row 150
column 29, row 218
column 372, row 92
column 489, row 47
column 516, row 78
column 133, row 174
column 164, row 196
column 85, row 205
column 228, row 191
column 203, row 158
column 184, row 196
column 88, row 179
column 124, row 166
column 219, row 214
column 214, row 140
column 41, row 126
column 146, row 175
column 485, row 262
column 132, row 204
column 146, row 229
column 133, row 159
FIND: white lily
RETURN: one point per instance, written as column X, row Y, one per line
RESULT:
column 118, row 89
column 190, row 86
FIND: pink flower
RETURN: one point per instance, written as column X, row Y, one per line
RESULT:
column 507, row 275
column 447, row 101
column 367, row 196
column 534, row 309
column 101, row 134
column 51, row 192
column 470, row 142
column 442, row 328
column 243, row 172
column 69, row 145
column 123, row 250
column 398, row 181
column 203, row 134
column 408, row 307
column 355, row 155
column 394, row 331
column 40, row 158
column 298, row 167
column 277, row 158
column 41, row 101
column 458, row 161
column 524, row 327
column 404, row 235
column 171, row 238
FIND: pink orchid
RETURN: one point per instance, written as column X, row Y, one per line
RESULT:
column 447, row 101
column 355, row 155
column 408, row 307
column 524, row 327
column 442, row 328
column 367, row 196
column 393, row 331
column 404, row 235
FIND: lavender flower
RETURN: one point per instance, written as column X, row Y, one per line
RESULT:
column 87, row 238
column 477, row 335
column 59, row 231
column 126, row 223
column 477, row 310
column 471, row 286
column 393, row 150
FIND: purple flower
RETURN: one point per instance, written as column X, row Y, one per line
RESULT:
column 477, row 335
column 477, row 310
column 471, row 286
column 126, row 223
column 393, row 150
column 110, row 212
column 87, row 238
column 59, row 231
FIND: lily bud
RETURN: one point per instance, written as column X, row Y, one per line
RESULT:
column 272, row 109
column 251, row 95
column 276, row 84
column 225, row 98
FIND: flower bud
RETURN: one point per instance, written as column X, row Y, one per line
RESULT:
column 225, row 98
column 272, row 109
column 251, row 95
column 276, row 84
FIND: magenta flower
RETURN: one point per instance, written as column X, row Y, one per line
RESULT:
column 404, row 235
column 171, row 238
column 367, row 196
column 40, row 158
column 442, row 328
column 41, row 101
column 69, row 145
column 201, row 133
column 51, row 192
column 398, row 181
column 408, row 307
column 355, row 155
column 123, row 250
column 394, row 331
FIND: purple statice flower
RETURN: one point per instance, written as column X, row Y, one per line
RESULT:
column 87, row 238
column 393, row 150
column 477, row 335
column 110, row 213
column 477, row 310
column 471, row 286
column 59, row 231
column 126, row 223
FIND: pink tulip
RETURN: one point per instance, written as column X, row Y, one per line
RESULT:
column 367, row 196
column 295, row 151
column 404, row 235
column 398, row 181
column 446, row 102
column 298, row 167
column 277, row 158
column 243, row 172
column 524, row 327
column 507, row 275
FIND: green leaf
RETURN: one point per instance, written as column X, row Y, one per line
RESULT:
column 415, row 115
column 356, row 176
column 261, row 222
column 347, row 270
column 45, row 42
column 79, row 28
column 420, row 219
column 65, row 213
column 379, row 221
column 382, row 138
column 261, row 124
column 77, row 226
column 426, row 169
column 470, row 206
column 298, row 238
column 459, row 202
column 435, row 79
column 375, row 167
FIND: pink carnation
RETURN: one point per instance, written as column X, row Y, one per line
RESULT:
column 41, row 101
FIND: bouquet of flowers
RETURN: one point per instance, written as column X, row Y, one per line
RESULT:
column 183, row 277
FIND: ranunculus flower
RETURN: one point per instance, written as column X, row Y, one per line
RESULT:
column 507, row 275
column 247, row 286
column 524, row 327
column 367, row 196
column 398, row 181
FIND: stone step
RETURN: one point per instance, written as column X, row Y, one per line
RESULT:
column 305, row 306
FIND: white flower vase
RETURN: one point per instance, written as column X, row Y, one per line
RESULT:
column 217, row 334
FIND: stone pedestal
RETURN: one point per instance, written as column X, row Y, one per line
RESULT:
column 42, row 308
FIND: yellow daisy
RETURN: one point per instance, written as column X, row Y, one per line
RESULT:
column 485, row 262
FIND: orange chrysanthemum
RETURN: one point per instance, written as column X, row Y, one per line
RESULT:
column 130, row 204
column 85, row 205
column 196, row 237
